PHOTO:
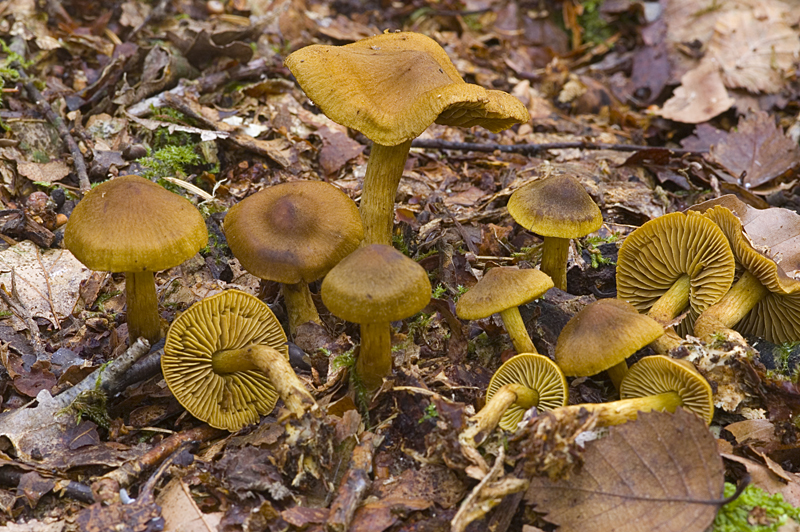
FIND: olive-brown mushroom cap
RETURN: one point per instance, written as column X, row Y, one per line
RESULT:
column 391, row 87
column 130, row 224
column 293, row 232
column 502, row 288
column 658, row 374
column 536, row 372
column 603, row 334
column 654, row 256
column 556, row 206
column 226, row 321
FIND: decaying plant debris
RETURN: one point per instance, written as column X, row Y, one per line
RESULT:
column 651, row 108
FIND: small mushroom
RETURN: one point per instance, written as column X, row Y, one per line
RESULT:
column 676, row 263
column 374, row 286
column 294, row 233
column 130, row 224
column 601, row 336
column 657, row 383
column 522, row 382
column 502, row 290
column 559, row 209
column 391, row 87
column 227, row 362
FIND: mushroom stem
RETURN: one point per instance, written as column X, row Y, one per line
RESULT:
column 515, row 327
column 299, row 305
column 275, row 366
column 375, row 357
column 672, row 302
column 666, row 343
column 384, row 170
column 617, row 412
column 487, row 419
column 142, row 303
column 554, row 260
column 732, row 308
column 617, row 372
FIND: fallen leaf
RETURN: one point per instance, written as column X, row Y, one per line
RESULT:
column 759, row 431
column 180, row 512
column 761, row 476
column 701, row 96
column 656, row 473
column 44, row 172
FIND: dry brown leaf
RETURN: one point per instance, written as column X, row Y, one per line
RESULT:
column 762, row 477
column 44, row 172
column 181, row 513
column 656, row 473
column 700, row 97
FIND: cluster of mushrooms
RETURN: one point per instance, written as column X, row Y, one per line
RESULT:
column 226, row 359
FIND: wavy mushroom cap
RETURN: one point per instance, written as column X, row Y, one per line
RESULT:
column 293, row 232
column 654, row 256
column 374, row 284
column 130, row 224
column 391, row 87
column 226, row 321
column 536, row 372
column 603, row 334
column 502, row 288
column 658, row 374
column 556, row 206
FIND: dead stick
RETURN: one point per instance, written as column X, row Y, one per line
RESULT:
column 532, row 149
column 354, row 485
column 44, row 106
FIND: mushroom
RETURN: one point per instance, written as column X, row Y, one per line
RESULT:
column 558, row 208
column 522, row 382
column 374, row 286
column 226, row 361
column 294, row 233
column 130, row 224
column 675, row 261
column 502, row 290
column 391, row 87
column 764, row 301
column 601, row 336
column 657, row 383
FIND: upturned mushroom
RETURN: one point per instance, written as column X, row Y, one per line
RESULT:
column 559, row 209
column 132, row 225
column 601, row 336
column 374, row 286
column 391, row 87
column 522, row 382
column 676, row 263
column 502, row 290
column 226, row 361
column 294, row 233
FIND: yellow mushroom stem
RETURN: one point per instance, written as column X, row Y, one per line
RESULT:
column 375, row 356
column 484, row 422
column 275, row 366
column 668, row 307
column 624, row 410
column 299, row 305
column 142, row 303
column 384, row 170
column 515, row 327
column 554, row 260
column 617, row 372
column 732, row 308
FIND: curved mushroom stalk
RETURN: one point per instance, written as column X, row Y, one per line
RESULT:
column 299, row 305
column 384, row 170
column 485, row 421
column 624, row 410
column 142, row 306
column 515, row 326
column 555, row 252
column 732, row 308
column 375, row 356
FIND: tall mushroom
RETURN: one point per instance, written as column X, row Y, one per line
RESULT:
column 227, row 362
column 374, row 286
column 294, row 233
column 130, row 224
column 391, row 87
column 559, row 209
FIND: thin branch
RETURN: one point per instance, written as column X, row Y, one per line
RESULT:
column 532, row 149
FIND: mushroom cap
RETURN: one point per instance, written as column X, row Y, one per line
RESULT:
column 660, row 374
column 536, row 372
column 375, row 284
column 293, row 232
column 502, row 288
column 228, row 320
column 391, row 87
column 557, row 206
column 659, row 252
column 601, row 335
column 130, row 224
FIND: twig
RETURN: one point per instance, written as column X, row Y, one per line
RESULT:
column 354, row 485
column 532, row 149
column 44, row 106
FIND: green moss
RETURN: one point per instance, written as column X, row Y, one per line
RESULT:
column 430, row 413
column 438, row 292
column 170, row 161
column 595, row 28
column 591, row 243
column 733, row 517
